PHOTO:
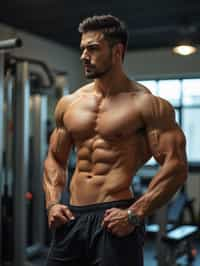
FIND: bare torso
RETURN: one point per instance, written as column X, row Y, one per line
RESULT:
column 110, row 141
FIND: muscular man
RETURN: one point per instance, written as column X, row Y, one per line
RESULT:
column 116, row 126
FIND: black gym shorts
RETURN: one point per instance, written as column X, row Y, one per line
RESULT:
column 84, row 242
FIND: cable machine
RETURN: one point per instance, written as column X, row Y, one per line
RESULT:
column 23, row 146
column 4, row 46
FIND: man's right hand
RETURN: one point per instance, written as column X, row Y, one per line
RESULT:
column 59, row 214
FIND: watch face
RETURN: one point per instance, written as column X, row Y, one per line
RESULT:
column 133, row 219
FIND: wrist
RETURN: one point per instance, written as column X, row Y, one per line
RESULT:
column 133, row 218
column 50, row 205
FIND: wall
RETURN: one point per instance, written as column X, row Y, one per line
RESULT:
column 161, row 63
column 55, row 55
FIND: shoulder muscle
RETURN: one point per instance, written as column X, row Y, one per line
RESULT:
column 157, row 112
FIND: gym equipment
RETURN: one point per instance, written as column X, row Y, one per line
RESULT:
column 1, row 144
column 178, row 243
column 4, row 199
column 10, row 43
column 174, row 239
column 175, row 211
column 35, row 208
column 23, row 92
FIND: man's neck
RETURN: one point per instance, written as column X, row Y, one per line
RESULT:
column 111, row 84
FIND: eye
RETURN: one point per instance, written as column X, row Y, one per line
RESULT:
column 92, row 48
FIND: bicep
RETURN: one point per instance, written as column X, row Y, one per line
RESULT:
column 165, row 137
column 167, row 144
column 60, row 141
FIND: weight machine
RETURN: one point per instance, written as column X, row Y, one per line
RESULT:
column 23, row 145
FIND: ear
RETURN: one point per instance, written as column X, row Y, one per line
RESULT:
column 118, row 50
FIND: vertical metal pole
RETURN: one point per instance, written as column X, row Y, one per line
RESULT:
column 21, row 154
column 1, row 107
column 161, row 219
column 1, row 141
column 62, row 85
column 39, row 130
column 8, row 133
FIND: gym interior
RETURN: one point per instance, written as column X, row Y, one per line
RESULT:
column 39, row 63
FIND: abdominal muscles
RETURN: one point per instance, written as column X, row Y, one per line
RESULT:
column 103, row 171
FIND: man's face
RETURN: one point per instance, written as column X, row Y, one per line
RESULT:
column 96, row 54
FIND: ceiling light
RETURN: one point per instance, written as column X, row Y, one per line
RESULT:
column 184, row 49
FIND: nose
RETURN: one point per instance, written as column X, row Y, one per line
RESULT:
column 84, row 55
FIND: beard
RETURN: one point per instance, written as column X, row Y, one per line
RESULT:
column 94, row 73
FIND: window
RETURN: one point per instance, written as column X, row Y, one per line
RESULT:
column 191, row 128
column 151, row 85
column 170, row 90
column 184, row 95
column 191, row 92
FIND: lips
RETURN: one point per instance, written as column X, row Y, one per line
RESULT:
column 87, row 66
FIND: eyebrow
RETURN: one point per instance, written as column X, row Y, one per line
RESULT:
column 89, row 44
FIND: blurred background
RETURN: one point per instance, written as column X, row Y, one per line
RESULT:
column 40, row 62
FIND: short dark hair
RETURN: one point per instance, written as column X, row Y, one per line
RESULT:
column 114, row 30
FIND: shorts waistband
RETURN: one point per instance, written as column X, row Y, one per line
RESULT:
column 101, row 206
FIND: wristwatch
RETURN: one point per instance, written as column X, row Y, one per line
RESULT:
column 133, row 218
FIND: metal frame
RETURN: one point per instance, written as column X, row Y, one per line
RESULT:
column 8, row 134
column 161, row 220
column 21, row 95
column 1, row 106
column 39, row 131
column 20, row 152
column 1, row 141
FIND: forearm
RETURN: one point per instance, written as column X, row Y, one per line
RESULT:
column 54, row 180
column 161, row 189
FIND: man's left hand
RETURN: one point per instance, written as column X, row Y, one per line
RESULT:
column 116, row 221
